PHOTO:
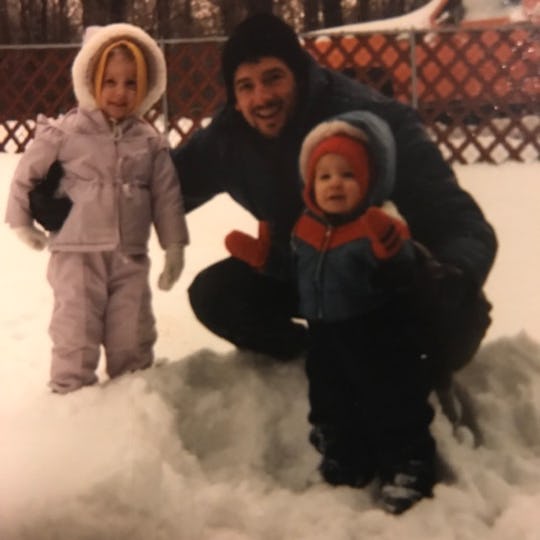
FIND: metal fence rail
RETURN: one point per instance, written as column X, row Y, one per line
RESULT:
column 476, row 90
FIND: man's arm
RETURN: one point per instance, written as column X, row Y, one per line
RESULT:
column 441, row 215
column 199, row 165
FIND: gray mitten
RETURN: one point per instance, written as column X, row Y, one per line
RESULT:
column 31, row 236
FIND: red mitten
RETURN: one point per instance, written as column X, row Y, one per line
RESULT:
column 388, row 232
column 253, row 251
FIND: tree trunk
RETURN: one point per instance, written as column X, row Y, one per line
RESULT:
column 163, row 19
column 5, row 25
column 117, row 10
column 188, row 13
column 363, row 10
column 103, row 12
column 311, row 15
column 258, row 6
column 92, row 13
column 62, row 26
column 25, row 18
column 231, row 14
column 399, row 8
column 43, row 27
column 332, row 13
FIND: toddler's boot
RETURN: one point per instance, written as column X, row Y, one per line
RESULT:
column 344, row 461
column 409, row 478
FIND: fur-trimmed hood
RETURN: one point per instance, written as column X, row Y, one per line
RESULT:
column 374, row 133
column 96, row 39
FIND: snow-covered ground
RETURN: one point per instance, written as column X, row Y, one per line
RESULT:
column 421, row 18
column 210, row 444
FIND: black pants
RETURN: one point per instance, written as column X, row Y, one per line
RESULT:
column 247, row 308
column 368, row 386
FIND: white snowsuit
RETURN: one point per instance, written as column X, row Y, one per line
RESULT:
column 121, row 181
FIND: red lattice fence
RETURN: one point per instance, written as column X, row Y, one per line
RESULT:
column 476, row 90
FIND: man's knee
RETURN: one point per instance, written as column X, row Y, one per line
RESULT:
column 197, row 291
column 210, row 289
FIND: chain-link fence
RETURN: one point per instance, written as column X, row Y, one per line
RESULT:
column 476, row 90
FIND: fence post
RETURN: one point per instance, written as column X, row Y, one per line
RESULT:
column 414, row 74
column 164, row 99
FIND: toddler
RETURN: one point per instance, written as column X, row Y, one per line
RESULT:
column 119, row 176
column 368, row 386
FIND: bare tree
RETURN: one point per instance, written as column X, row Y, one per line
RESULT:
column 103, row 11
column 235, row 11
column 232, row 12
column 62, row 21
column 34, row 21
column 5, row 24
column 332, row 13
column 187, row 13
column 118, row 10
column 43, row 20
column 163, row 18
column 27, row 30
column 399, row 8
column 363, row 10
column 258, row 6
column 311, row 14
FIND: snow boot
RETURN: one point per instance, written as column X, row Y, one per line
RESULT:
column 405, row 485
column 341, row 473
column 344, row 462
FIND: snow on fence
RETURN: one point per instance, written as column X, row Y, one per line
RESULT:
column 476, row 90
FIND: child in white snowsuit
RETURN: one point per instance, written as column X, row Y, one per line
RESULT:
column 121, row 180
column 368, row 383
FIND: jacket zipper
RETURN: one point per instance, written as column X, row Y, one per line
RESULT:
column 318, row 271
column 118, row 181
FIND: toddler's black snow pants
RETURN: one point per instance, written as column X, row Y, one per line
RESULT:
column 368, row 386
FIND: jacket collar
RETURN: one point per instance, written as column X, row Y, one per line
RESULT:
column 97, row 121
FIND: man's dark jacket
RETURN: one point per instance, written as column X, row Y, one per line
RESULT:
column 262, row 174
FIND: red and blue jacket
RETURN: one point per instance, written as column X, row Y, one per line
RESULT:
column 335, row 260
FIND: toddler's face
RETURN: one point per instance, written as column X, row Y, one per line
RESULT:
column 336, row 188
column 119, row 88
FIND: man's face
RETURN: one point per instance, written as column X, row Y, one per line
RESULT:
column 265, row 93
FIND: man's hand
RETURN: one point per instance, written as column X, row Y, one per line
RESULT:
column 253, row 251
column 31, row 236
column 444, row 285
column 49, row 211
column 388, row 232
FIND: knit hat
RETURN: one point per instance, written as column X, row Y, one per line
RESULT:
column 259, row 36
column 353, row 150
column 97, row 43
column 140, row 63
column 365, row 140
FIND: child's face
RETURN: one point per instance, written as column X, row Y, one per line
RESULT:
column 336, row 188
column 119, row 88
